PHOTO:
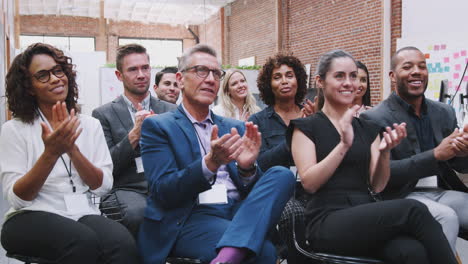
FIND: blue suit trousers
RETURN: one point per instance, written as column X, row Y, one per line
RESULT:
column 242, row 224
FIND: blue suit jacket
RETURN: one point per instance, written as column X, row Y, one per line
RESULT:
column 173, row 168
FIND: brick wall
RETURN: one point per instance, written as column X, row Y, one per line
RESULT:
column 247, row 28
column 396, row 22
column 250, row 30
column 311, row 28
column 211, row 32
column 89, row 27
column 317, row 26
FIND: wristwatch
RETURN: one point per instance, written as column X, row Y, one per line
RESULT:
column 246, row 171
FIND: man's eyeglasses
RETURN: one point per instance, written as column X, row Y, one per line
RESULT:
column 203, row 72
column 44, row 75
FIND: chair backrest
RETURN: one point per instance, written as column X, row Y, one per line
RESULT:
column 109, row 206
column 300, row 241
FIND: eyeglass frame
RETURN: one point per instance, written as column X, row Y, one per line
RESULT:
column 50, row 71
column 221, row 77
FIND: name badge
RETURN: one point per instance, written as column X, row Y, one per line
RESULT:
column 139, row 165
column 216, row 195
column 427, row 182
column 77, row 203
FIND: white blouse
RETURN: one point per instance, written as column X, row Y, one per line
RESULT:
column 219, row 110
column 21, row 146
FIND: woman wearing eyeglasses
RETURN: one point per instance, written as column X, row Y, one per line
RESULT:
column 236, row 100
column 52, row 161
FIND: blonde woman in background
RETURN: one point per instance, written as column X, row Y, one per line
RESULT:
column 235, row 99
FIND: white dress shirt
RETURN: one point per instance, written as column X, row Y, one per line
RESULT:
column 21, row 146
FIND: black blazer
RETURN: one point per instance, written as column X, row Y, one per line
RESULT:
column 117, row 123
column 408, row 163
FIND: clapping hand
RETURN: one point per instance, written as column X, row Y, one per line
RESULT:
column 65, row 131
column 251, row 142
column 223, row 149
column 309, row 107
column 347, row 133
column 460, row 142
column 135, row 134
column 391, row 138
column 232, row 146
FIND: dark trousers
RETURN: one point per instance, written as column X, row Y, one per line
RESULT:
column 242, row 224
column 127, row 206
column 397, row 231
column 91, row 239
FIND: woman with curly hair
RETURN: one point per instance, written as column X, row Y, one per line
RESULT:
column 282, row 83
column 53, row 160
column 236, row 100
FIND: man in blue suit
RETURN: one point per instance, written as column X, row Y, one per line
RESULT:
column 208, row 200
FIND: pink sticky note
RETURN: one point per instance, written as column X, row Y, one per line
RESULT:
column 456, row 55
column 456, row 75
column 443, row 46
column 465, row 79
column 446, row 59
column 463, row 53
column 450, row 84
column 457, row 67
column 436, row 47
column 457, row 88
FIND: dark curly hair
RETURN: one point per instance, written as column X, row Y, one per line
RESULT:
column 264, row 77
column 21, row 101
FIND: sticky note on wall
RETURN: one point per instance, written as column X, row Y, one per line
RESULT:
column 456, row 75
column 456, row 55
column 457, row 67
column 463, row 53
column 446, row 59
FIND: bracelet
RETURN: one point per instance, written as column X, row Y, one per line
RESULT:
column 246, row 171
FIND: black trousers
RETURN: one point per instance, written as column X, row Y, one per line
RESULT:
column 397, row 231
column 91, row 239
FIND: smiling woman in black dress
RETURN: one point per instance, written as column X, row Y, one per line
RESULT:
column 341, row 160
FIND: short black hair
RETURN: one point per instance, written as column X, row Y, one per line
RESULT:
column 160, row 74
column 393, row 62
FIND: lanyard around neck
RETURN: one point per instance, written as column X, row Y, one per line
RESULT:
column 69, row 168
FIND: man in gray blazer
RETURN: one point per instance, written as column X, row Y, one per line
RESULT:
column 422, row 166
column 121, row 121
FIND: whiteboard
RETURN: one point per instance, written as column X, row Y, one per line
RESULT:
column 438, row 28
column 111, row 87
column 434, row 18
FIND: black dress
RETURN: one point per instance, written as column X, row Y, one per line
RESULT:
column 343, row 218
column 348, row 185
